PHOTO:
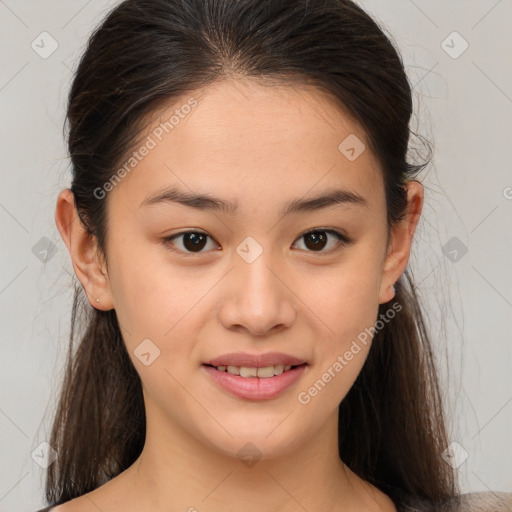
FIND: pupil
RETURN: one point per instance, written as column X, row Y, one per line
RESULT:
column 318, row 238
column 193, row 241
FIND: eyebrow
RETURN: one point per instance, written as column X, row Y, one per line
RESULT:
column 208, row 202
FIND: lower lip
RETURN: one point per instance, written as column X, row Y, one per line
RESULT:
column 256, row 388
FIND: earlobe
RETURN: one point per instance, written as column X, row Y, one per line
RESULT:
column 84, row 252
column 401, row 241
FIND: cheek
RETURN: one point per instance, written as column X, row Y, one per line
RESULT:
column 150, row 295
column 347, row 307
column 345, row 299
column 339, row 359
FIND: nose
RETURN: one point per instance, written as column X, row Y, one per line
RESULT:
column 258, row 299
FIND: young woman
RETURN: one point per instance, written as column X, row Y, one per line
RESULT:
column 240, row 219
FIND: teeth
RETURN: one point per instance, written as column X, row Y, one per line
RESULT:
column 233, row 370
column 278, row 369
column 264, row 373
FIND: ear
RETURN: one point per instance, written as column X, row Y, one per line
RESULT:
column 401, row 239
column 87, row 260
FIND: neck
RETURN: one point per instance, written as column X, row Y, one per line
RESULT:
column 177, row 471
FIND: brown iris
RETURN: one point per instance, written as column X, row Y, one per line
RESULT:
column 194, row 241
column 317, row 240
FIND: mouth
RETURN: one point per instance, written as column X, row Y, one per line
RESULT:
column 266, row 372
column 253, row 383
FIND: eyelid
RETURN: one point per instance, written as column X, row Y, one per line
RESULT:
column 169, row 239
column 343, row 240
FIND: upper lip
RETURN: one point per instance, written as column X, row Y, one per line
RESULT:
column 255, row 360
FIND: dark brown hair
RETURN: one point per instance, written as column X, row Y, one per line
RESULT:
column 147, row 52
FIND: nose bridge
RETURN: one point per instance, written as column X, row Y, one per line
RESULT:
column 258, row 301
column 253, row 270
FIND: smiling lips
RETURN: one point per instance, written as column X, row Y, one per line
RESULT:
column 255, row 360
column 256, row 377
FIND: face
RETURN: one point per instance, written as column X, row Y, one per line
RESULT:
column 270, row 272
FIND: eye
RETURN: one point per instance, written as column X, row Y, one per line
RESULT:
column 192, row 241
column 317, row 239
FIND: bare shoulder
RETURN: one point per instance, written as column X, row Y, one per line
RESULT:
column 115, row 494
column 80, row 504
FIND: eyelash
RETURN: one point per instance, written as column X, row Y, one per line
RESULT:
column 342, row 241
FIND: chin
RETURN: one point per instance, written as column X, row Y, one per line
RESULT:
column 251, row 443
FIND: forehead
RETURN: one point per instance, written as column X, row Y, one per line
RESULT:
column 251, row 142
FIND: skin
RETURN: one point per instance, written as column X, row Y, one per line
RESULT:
column 260, row 146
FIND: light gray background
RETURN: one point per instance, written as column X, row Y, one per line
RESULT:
column 464, row 106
